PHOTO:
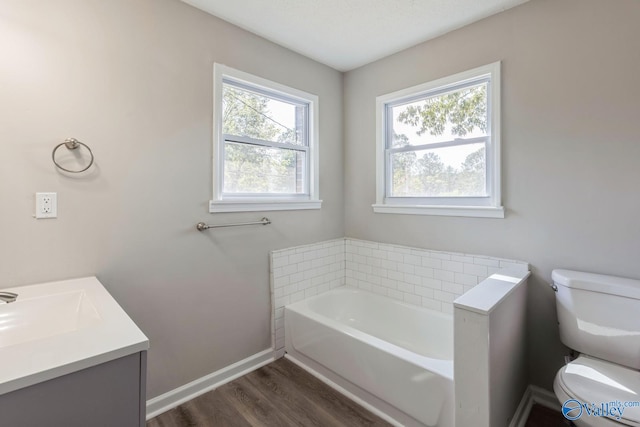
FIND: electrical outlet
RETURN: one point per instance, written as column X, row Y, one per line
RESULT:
column 46, row 205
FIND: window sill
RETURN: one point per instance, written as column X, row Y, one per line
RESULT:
column 216, row 206
column 466, row 211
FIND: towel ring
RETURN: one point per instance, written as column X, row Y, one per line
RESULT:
column 71, row 144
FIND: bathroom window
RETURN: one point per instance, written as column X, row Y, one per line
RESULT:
column 438, row 147
column 265, row 145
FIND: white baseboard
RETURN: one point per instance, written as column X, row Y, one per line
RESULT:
column 533, row 395
column 178, row 396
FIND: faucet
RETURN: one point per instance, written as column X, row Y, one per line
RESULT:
column 8, row 297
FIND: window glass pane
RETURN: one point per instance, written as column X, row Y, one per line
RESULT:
column 458, row 171
column 460, row 113
column 254, row 169
column 251, row 114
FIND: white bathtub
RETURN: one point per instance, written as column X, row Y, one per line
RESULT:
column 396, row 357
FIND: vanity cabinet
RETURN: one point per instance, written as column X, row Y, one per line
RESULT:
column 111, row 394
column 70, row 357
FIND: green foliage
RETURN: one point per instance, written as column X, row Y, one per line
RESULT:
column 430, row 172
column 428, row 176
column 465, row 109
column 254, row 168
column 459, row 113
column 473, row 172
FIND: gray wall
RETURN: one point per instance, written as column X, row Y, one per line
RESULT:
column 570, row 127
column 133, row 79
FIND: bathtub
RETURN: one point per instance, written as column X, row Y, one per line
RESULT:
column 396, row 357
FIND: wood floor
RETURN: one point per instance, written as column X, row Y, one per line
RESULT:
column 541, row 416
column 278, row 394
column 282, row 394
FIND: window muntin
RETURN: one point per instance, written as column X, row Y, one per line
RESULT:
column 439, row 144
column 265, row 152
column 273, row 118
column 436, row 143
column 265, row 143
column 440, row 116
column 252, row 170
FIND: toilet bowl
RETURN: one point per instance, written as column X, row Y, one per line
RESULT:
column 598, row 316
column 606, row 385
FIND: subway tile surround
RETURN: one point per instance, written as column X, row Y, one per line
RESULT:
column 432, row 279
column 302, row 272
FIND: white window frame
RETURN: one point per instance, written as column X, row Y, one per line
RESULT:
column 487, row 207
column 263, row 202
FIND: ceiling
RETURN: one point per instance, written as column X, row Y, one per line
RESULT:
column 345, row 34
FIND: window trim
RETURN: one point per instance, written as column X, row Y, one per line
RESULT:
column 262, row 202
column 406, row 205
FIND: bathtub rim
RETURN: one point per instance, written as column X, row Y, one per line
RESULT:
column 440, row 367
column 353, row 289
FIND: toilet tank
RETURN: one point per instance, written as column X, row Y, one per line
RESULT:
column 599, row 315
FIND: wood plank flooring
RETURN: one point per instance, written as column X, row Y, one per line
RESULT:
column 541, row 416
column 278, row 394
column 282, row 394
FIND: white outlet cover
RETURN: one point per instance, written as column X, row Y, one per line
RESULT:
column 46, row 205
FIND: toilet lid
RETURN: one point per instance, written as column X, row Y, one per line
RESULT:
column 595, row 381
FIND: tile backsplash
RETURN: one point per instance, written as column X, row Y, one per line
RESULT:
column 428, row 278
column 301, row 272
column 432, row 279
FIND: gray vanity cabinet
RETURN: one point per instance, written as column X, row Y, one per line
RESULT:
column 111, row 394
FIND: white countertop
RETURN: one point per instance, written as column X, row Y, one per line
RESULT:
column 56, row 328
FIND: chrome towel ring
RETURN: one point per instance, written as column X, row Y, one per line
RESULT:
column 71, row 144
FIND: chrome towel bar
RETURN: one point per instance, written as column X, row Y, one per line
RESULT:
column 202, row 226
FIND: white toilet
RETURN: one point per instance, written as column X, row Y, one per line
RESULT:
column 599, row 316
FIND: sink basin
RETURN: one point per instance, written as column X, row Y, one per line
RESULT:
column 56, row 328
column 29, row 319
